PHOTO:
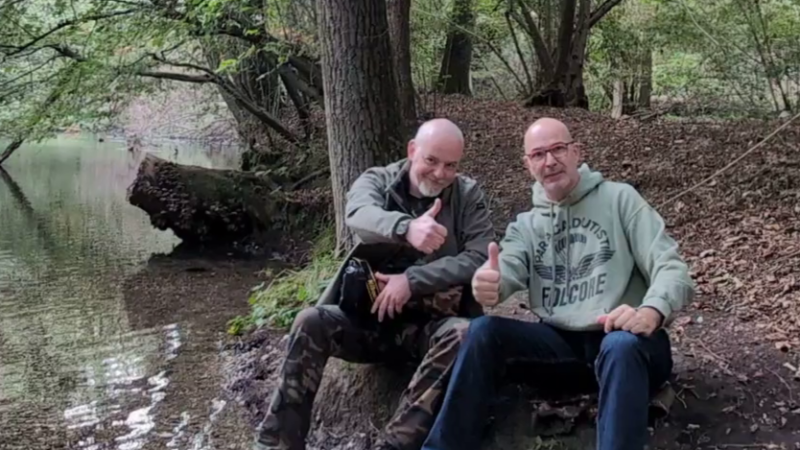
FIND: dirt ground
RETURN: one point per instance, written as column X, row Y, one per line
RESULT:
column 737, row 373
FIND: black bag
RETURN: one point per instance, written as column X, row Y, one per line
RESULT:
column 359, row 289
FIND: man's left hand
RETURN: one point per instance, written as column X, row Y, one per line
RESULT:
column 643, row 321
column 394, row 294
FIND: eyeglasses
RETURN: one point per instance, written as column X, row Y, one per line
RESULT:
column 540, row 154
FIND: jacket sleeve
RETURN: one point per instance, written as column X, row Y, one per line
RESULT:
column 364, row 213
column 514, row 259
column 477, row 232
column 657, row 257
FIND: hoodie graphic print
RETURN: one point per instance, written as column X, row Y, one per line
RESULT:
column 600, row 247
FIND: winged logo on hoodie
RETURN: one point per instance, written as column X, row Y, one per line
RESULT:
column 583, row 269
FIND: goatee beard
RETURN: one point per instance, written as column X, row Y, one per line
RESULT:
column 428, row 191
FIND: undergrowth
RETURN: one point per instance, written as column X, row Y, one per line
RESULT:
column 277, row 302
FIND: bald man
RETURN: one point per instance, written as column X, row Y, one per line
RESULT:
column 604, row 278
column 424, row 229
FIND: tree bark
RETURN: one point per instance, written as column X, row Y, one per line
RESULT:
column 399, row 17
column 211, row 206
column 562, row 78
column 10, row 149
column 454, row 76
column 364, row 126
column 618, row 99
column 645, row 79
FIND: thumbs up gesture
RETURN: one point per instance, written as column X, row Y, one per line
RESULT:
column 424, row 233
column 486, row 282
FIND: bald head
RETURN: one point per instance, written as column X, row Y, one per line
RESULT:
column 551, row 157
column 546, row 132
column 434, row 154
column 439, row 130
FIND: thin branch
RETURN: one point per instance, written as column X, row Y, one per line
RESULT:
column 763, row 141
column 519, row 51
column 11, row 3
column 691, row 15
column 6, row 83
column 163, row 60
column 491, row 47
column 200, row 79
column 601, row 11
column 542, row 51
column 65, row 51
column 262, row 115
column 69, row 23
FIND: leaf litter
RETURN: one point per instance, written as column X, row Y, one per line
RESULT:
column 739, row 233
column 736, row 347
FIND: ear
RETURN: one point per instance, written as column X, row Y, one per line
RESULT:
column 579, row 151
column 411, row 149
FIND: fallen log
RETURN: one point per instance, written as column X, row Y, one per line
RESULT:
column 214, row 206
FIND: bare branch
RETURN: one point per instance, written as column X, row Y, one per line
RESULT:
column 260, row 113
column 177, row 76
column 542, row 52
column 65, row 51
column 601, row 11
column 69, row 23
column 162, row 60
column 23, row 75
column 519, row 53
column 11, row 3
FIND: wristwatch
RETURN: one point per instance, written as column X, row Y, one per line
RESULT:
column 402, row 228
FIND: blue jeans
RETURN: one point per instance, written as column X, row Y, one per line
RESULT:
column 626, row 368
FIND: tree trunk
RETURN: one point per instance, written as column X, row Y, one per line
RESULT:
column 211, row 206
column 399, row 16
column 645, row 79
column 10, row 149
column 618, row 99
column 364, row 126
column 454, row 76
column 562, row 67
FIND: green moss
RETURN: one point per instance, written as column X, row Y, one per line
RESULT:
column 277, row 303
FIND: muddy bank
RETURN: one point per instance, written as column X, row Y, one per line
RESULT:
column 195, row 296
column 729, row 393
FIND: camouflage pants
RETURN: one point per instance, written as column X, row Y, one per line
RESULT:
column 324, row 331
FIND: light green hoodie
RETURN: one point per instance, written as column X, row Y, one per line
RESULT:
column 601, row 247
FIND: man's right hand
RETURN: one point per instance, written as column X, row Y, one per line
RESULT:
column 424, row 233
column 486, row 282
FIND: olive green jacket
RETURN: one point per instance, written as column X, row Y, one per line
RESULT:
column 378, row 202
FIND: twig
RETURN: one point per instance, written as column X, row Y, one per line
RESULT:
column 791, row 398
column 732, row 163
column 755, row 444
column 790, row 255
column 308, row 178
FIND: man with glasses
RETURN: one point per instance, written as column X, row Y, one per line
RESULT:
column 604, row 278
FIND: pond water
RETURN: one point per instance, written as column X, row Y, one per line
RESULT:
column 86, row 359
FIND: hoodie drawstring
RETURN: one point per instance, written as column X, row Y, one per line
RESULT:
column 569, row 250
column 553, row 262
column 551, row 305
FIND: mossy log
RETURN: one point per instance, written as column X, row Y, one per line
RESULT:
column 212, row 206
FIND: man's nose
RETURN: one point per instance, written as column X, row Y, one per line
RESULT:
column 549, row 159
column 439, row 172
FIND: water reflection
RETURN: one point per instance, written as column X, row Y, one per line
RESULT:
column 74, row 372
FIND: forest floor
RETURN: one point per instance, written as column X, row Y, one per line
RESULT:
column 736, row 348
